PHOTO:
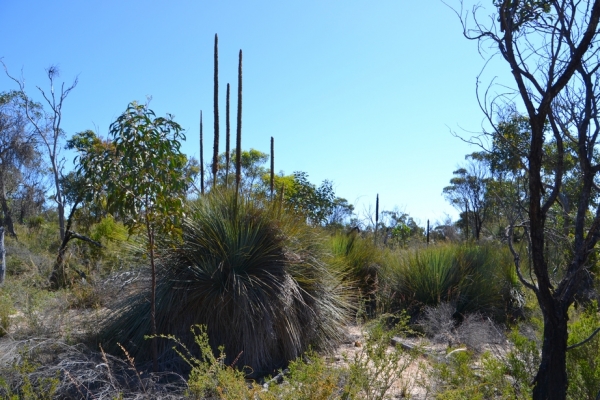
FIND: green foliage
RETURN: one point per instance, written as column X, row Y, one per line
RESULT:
column 25, row 385
column 468, row 193
column 461, row 375
column 210, row 376
column 6, row 308
column 359, row 260
column 141, row 171
column 583, row 362
column 148, row 175
column 472, row 278
column 397, row 228
column 369, row 375
column 312, row 202
column 256, row 277
column 309, row 377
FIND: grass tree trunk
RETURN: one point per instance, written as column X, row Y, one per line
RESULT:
column 215, row 164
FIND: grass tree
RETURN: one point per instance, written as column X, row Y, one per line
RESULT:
column 255, row 276
column 146, row 180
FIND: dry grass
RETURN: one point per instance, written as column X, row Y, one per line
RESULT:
column 83, row 373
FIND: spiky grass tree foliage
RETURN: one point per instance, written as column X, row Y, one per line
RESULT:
column 256, row 278
column 471, row 278
column 359, row 260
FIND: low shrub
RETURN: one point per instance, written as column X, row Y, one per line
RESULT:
column 473, row 278
column 376, row 367
column 583, row 362
column 359, row 260
column 6, row 308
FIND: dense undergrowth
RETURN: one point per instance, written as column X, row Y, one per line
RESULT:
column 267, row 298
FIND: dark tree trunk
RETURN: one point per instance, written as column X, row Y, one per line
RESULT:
column 551, row 380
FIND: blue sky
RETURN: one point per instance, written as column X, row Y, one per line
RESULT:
column 362, row 93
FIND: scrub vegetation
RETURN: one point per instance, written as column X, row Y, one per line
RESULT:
column 143, row 273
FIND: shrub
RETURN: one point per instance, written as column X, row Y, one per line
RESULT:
column 253, row 275
column 376, row 368
column 359, row 260
column 6, row 307
column 472, row 278
column 583, row 362
column 463, row 375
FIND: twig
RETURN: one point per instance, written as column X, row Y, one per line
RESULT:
column 585, row 341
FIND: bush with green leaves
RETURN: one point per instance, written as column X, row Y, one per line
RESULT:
column 359, row 260
column 253, row 274
column 21, row 382
column 473, row 278
column 583, row 361
column 6, row 308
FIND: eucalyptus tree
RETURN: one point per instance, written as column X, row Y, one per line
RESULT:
column 46, row 124
column 552, row 49
column 468, row 193
column 18, row 152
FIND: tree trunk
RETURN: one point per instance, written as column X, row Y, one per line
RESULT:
column 7, row 222
column 551, row 380
column 59, row 200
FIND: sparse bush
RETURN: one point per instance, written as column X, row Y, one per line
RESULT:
column 463, row 375
column 84, row 295
column 253, row 275
column 21, row 381
column 475, row 330
column 377, row 367
column 309, row 378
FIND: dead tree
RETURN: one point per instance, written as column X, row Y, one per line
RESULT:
column 47, row 124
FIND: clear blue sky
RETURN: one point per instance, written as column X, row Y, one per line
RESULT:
column 362, row 93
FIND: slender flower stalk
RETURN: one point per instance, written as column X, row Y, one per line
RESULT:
column 272, row 165
column 376, row 215
column 215, row 165
column 201, row 158
column 238, row 141
column 227, row 139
